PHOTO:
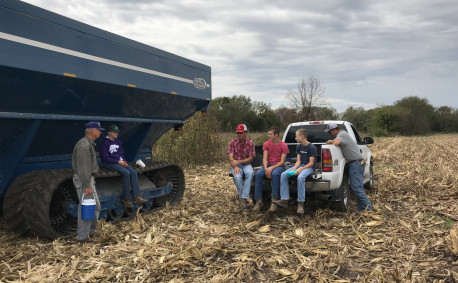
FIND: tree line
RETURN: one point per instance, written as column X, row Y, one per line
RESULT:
column 410, row 115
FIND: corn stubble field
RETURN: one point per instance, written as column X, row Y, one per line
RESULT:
column 411, row 237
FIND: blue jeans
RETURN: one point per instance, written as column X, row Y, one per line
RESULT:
column 356, row 171
column 243, row 187
column 258, row 181
column 129, row 179
column 284, row 186
column 86, row 228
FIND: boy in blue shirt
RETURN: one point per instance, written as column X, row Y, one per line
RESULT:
column 305, row 166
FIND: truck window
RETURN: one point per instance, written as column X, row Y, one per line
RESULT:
column 358, row 138
column 315, row 133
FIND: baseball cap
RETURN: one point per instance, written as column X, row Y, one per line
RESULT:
column 113, row 128
column 241, row 128
column 331, row 126
column 94, row 125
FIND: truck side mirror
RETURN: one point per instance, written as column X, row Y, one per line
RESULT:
column 368, row 140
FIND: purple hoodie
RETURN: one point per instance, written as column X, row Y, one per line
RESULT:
column 111, row 151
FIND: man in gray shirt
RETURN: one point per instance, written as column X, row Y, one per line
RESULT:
column 84, row 164
column 354, row 157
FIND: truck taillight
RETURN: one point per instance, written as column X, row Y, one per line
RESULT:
column 326, row 160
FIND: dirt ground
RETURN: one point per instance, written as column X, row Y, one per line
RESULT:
column 410, row 237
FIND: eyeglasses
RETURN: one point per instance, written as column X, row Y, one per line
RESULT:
column 240, row 133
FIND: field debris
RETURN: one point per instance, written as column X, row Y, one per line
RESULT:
column 412, row 236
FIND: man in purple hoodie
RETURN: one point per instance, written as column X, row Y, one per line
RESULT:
column 112, row 157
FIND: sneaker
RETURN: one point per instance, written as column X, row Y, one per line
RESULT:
column 127, row 203
column 282, row 202
column 243, row 203
column 257, row 206
column 140, row 200
column 300, row 207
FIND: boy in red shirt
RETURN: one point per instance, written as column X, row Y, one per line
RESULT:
column 274, row 156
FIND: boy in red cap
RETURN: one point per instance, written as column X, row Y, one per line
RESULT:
column 241, row 152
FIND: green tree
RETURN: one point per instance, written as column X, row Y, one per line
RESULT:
column 286, row 116
column 386, row 120
column 324, row 113
column 231, row 111
column 445, row 120
column 420, row 115
column 265, row 117
column 358, row 116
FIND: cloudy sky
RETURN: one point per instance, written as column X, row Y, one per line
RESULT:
column 366, row 53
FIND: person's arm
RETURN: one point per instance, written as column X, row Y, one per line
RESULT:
column 265, row 158
column 245, row 161
column 335, row 142
column 84, row 169
column 298, row 162
column 276, row 165
column 123, row 161
column 234, row 164
column 308, row 165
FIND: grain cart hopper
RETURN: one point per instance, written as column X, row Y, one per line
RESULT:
column 57, row 74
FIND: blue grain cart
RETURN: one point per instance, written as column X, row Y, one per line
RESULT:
column 57, row 74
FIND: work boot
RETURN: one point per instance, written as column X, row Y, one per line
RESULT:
column 300, row 207
column 243, row 203
column 85, row 241
column 127, row 203
column 140, row 200
column 258, row 205
column 282, row 202
column 273, row 206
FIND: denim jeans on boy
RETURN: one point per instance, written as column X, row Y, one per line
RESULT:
column 129, row 179
column 258, row 181
column 243, row 186
column 284, row 186
column 356, row 171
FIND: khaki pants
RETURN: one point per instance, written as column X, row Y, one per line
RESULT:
column 86, row 227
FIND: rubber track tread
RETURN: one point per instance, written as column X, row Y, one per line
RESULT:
column 27, row 200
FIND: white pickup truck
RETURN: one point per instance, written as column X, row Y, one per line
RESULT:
column 330, row 180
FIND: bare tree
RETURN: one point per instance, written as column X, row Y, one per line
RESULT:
column 309, row 94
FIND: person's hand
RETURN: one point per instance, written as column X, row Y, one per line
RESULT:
column 123, row 163
column 237, row 170
column 298, row 171
column 234, row 163
column 88, row 191
column 269, row 173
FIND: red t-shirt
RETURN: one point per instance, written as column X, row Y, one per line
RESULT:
column 275, row 151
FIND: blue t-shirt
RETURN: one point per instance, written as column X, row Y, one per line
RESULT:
column 307, row 151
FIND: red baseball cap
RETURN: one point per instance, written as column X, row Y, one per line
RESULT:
column 241, row 128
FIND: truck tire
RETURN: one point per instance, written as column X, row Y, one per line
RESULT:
column 343, row 191
column 370, row 185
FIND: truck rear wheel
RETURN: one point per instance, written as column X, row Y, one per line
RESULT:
column 343, row 191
